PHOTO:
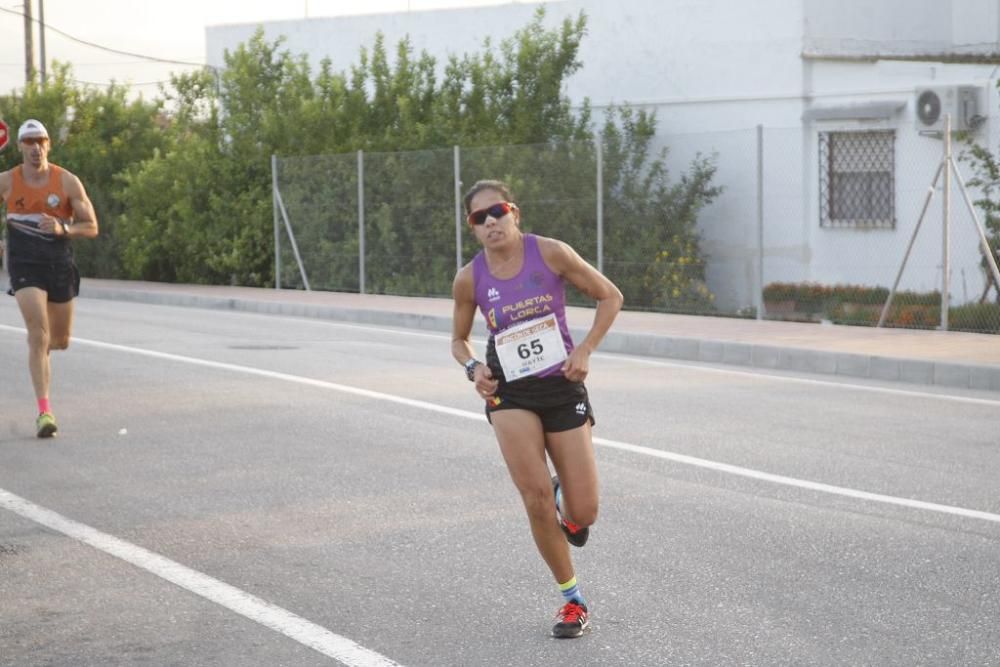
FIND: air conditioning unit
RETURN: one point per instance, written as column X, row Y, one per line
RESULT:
column 964, row 103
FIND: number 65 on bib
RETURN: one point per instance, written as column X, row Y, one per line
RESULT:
column 531, row 347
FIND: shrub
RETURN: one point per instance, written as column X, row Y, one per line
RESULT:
column 975, row 317
column 862, row 306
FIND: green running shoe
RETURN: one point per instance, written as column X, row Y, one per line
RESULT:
column 46, row 425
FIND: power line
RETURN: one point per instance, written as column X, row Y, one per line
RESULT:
column 107, row 48
column 106, row 84
column 77, row 64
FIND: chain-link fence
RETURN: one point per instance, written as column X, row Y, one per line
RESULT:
column 804, row 223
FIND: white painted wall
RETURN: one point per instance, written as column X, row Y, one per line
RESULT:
column 441, row 32
column 901, row 27
column 715, row 69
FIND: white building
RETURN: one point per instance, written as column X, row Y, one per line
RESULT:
column 845, row 163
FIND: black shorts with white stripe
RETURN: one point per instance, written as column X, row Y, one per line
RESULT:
column 562, row 405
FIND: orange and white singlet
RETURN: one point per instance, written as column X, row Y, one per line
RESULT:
column 25, row 206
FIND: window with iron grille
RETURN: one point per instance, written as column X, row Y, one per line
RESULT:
column 856, row 179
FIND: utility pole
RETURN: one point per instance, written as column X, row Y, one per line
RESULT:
column 41, row 39
column 29, row 46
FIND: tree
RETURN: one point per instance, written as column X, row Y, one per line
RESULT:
column 184, row 184
column 987, row 179
column 654, row 252
column 486, row 103
column 95, row 133
column 193, row 209
column 266, row 104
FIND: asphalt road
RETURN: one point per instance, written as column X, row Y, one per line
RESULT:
column 239, row 489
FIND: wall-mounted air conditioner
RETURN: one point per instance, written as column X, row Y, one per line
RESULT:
column 964, row 103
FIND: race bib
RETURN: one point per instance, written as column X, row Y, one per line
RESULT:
column 531, row 347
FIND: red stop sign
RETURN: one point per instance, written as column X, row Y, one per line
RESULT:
column 4, row 135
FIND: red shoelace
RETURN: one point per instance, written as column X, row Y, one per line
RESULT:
column 571, row 612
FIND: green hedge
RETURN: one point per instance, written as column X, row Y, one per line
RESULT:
column 861, row 305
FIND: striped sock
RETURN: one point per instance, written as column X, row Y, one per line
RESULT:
column 571, row 592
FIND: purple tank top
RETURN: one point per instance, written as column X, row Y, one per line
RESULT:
column 536, row 291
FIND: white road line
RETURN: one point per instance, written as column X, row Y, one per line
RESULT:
column 280, row 620
column 844, row 383
column 317, row 637
column 700, row 366
column 799, row 483
column 766, row 373
column 612, row 444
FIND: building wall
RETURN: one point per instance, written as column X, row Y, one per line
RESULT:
column 713, row 70
column 901, row 27
column 875, row 256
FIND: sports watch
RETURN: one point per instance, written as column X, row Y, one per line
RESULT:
column 470, row 368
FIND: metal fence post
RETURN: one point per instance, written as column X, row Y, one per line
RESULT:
column 600, row 203
column 458, row 209
column 361, row 222
column 946, row 240
column 277, row 229
column 759, row 286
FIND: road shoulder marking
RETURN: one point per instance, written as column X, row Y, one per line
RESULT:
column 245, row 604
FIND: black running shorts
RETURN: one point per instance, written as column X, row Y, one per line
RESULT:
column 562, row 405
column 60, row 280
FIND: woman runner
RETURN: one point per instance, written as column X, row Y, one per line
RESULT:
column 532, row 379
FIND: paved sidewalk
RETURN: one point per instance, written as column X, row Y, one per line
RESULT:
column 951, row 359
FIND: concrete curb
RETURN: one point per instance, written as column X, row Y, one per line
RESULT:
column 337, row 313
column 735, row 353
column 820, row 362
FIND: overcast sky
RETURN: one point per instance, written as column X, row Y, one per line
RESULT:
column 173, row 30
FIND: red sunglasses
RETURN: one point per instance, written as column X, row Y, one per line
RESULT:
column 496, row 211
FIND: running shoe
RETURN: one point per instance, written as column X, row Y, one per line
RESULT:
column 575, row 535
column 45, row 425
column 573, row 620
